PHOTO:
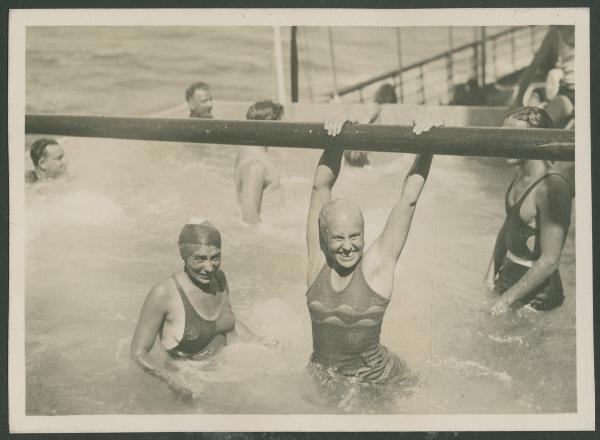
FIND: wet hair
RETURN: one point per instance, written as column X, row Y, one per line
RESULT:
column 358, row 161
column 197, row 233
column 386, row 94
column 265, row 111
column 38, row 149
column 195, row 86
column 534, row 117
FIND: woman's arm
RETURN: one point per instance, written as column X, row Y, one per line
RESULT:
column 148, row 326
column 554, row 205
column 380, row 259
column 497, row 257
column 326, row 174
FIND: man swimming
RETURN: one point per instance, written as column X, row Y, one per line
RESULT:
column 48, row 159
column 190, row 310
column 199, row 99
column 349, row 288
column 525, row 261
column 254, row 171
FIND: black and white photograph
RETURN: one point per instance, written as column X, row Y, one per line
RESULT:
column 315, row 220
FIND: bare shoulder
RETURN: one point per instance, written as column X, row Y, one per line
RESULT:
column 553, row 189
column 553, row 196
column 161, row 294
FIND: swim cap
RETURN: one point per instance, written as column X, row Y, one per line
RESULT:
column 195, row 233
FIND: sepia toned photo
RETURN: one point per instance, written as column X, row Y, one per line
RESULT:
column 315, row 220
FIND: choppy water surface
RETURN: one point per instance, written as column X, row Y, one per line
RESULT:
column 97, row 242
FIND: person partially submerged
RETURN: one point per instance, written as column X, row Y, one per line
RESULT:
column 525, row 261
column 49, row 161
column 385, row 94
column 255, row 173
column 199, row 100
column 349, row 288
column 189, row 311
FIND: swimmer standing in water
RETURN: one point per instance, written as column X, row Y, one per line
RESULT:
column 254, row 172
column 349, row 288
column 48, row 159
column 526, row 257
column 190, row 311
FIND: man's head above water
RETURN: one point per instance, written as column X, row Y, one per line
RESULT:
column 48, row 158
column 199, row 99
column 341, row 228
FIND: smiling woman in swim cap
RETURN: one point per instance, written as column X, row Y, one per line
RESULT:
column 349, row 284
column 190, row 310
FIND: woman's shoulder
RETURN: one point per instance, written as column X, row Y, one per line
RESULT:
column 164, row 288
column 553, row 189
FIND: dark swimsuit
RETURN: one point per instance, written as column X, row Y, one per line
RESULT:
column 198, row 332
column 516, row 232
column 346, row 326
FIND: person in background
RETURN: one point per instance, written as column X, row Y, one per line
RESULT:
column 190, row 310
column 199, row 100
column 386, row 94
column 525, row 261
column 255, row 174
column 48, row 159
column 555, row 62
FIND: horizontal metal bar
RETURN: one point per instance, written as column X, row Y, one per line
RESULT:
column 550, row 144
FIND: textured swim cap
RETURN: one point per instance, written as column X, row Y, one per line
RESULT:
column 194, row 234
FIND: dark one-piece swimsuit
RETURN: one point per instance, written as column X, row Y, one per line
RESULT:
column 550, row 293
column 346, row 326
column 198, row 332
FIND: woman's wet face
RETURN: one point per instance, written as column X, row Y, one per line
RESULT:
column 344, row 240
column 203, row 263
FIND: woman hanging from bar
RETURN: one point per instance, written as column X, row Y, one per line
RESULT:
column 525, row 261
column 349, row 288
column 255, row 175
column 189, row 311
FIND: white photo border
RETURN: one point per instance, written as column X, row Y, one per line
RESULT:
column 20, row 19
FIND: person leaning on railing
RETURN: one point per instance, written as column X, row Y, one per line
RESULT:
column 555, row 63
